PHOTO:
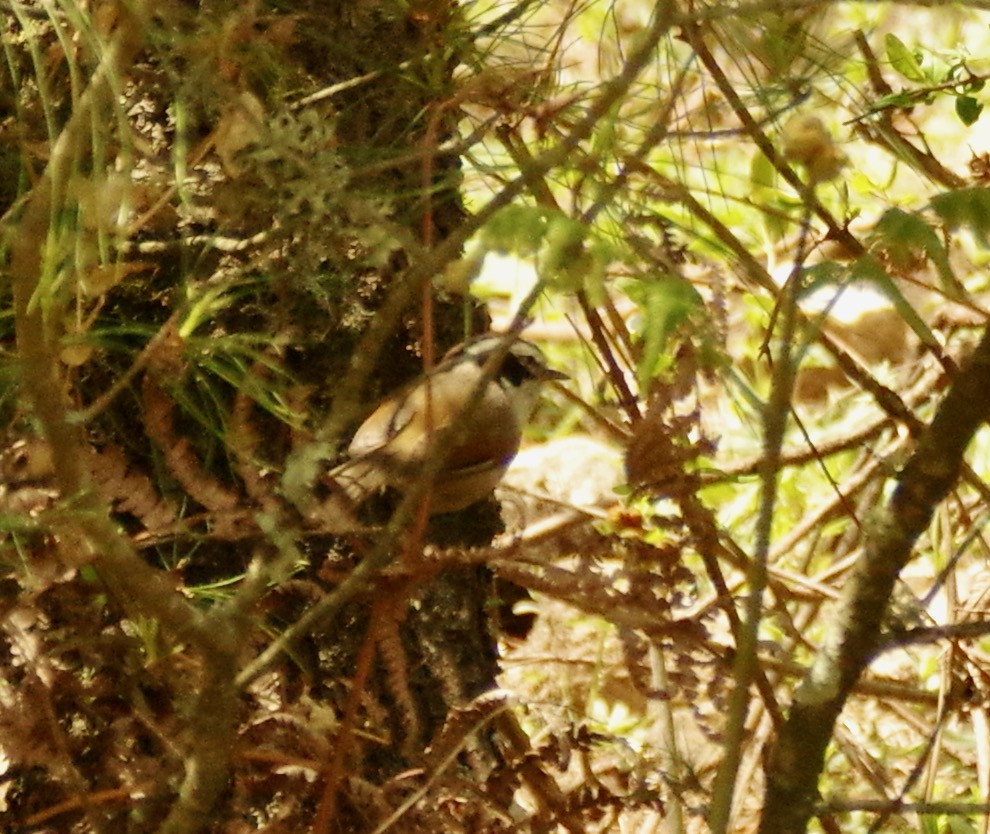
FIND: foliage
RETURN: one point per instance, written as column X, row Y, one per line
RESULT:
column 757, row 238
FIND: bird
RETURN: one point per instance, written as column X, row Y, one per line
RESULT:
column 488, row 404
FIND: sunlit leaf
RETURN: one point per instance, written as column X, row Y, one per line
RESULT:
column 902, row 59
column 867, row 268
column 76, row 354
column 762, row 174
column 517, row 229
column 820, row 275
column 765, row 192
column 895, row 100
column 665, row 303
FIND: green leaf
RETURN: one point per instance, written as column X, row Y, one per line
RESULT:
column 968, row 109
column 765, row 193
column 903, row 237
column 868, row 268
column 957, row 825
column 903, row 59
column 820, row 275
column 966, row 208
column 901, row 100
column 516, row 229
column 762, row 174
column 600, row 254
column 968, row 83
column 562, row 256
column 665, row 303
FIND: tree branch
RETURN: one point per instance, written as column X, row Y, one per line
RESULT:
column 797, row 758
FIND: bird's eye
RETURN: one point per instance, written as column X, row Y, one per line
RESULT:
column 514, row 370
column 518, row 366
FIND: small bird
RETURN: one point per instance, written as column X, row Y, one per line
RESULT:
column 391, row 445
